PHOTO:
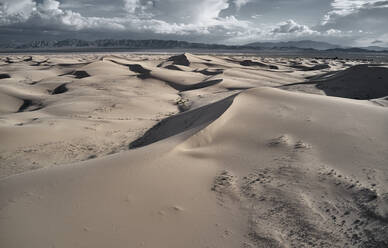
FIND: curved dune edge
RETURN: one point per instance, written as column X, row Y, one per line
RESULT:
column 315, row 166
column 190, row 121
column 363, row 82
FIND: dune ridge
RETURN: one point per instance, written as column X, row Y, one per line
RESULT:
column 364, row 82
column 231, row 151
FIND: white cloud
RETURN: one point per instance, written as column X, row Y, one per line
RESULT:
column 50, row 14
column 12, row 11
column 49, row 8
column 240, row 3
column 200, row 20
column 204, row 17
column 131, row 5
column 209, row 10
column 333, row 32
column 138, row 7
column 291, row 27
column 342, row 8
column 360, row 21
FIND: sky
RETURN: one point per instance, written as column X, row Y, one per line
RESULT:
column 343, row 22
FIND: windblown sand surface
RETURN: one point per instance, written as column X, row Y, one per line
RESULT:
column 192, row 151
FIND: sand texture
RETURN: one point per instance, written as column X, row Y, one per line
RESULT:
column 129, row 150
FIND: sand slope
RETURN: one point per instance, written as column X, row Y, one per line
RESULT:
column 363, row 82
column 258, row 167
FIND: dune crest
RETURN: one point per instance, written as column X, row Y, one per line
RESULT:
column 192, row 151
column 362, row 82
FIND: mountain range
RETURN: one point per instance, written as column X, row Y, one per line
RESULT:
column 111, row 43
column 303, row 44
column 174, row 44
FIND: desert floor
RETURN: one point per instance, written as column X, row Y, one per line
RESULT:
column 129, row 150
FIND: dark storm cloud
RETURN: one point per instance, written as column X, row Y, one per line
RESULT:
column 223, row 21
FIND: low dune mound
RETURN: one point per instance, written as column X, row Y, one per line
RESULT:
column 22, row 97
column 251, row 63
column 60, row 89
column 317, row 67
column 185, row 59
column 206, row 71
column 257, row 63
column 359, row 82
column 362, row 82
column 40, row 63
column 71, row 65
column 178, row 67
column 9, row 103
column 173, row 67
column 200, row 85
column 103, row 69
column 27, row 59
column 182, row 59
column 182, row 80
column 4, row 75
column 138, row 69
column 80, row 74
column 30, row 105
column 211, row 72
column 10, row 60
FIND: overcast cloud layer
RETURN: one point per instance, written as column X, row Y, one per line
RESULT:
column 345, row 22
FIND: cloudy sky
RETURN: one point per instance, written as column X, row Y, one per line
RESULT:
column 344, row 22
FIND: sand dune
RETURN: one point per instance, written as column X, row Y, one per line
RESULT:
column 9, row 104
column 192, row 151
column 363, row 82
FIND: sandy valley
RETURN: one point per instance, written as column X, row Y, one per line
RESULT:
column 131, row 150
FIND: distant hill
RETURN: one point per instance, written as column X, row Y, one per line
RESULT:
column 304, row 44
column 97, row 45
column 356, row 50
column 375, row 48
column 111, row 43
